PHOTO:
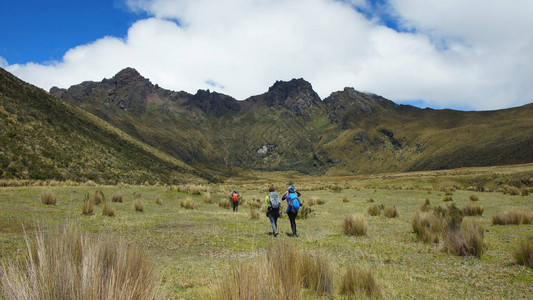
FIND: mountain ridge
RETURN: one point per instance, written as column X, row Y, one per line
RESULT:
column 290, row 128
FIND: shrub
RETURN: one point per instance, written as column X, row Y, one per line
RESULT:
column 465, row 241
column 117, row 198
column 427, row 226
column 158, row 201
column 48, row 198
column 358, row 281
column 354, row 225
column 108, row 210
column 514, row 217
column 523, row 255
column 75, row 265
column 316, row 272
column 391, row 212
column 138, row 205
column 447, row 199
column 253, row 214
column 472, row 209
column 474, row 198
column 88, row 205
column 374, row 210
column 188, row 203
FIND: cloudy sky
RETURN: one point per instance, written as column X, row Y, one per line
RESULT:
column 461, row 54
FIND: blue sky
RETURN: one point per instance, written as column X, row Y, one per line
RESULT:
column 461, row 54
column 42, row 31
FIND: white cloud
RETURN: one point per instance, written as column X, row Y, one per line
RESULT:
column 241, row 47
column 3, row 62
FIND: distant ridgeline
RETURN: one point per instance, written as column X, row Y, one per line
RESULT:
column 290, row 128
column 45, row 138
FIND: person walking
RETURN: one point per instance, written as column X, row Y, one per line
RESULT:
column 235, row 197
column 293, row 205
column 272, row 205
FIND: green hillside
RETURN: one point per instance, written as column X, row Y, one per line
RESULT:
column 43, row 137
column 290, row 128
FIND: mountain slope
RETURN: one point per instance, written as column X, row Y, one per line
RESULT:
column 42, row 137
column 290, row 128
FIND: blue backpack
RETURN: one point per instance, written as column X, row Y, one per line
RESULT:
column 294, row 202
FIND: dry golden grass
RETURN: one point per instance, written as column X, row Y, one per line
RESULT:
column 513, row 217
column 472, row 209
column 426, row 206
column 253, row 214
column 48, row 198
column 138, row 205
column 225, row 203
column 208, row 198
column 523, row 255
column 97, row 197
column 427, row 226
column 345, row 200
column 447, row 199
column 158, row 201
column 511, row 190
column 474, row 198
column 117, row 198
column 374, row 210
column 68, row 264
column 88, row 206
column 108, row 209
column 465, row 241
column 317, row 272
column 354, row 225
column 358, row 282
column 188, row 203
column 391, row 212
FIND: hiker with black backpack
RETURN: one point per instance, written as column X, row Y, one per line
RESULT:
column 273, row 204
column 235, row 197
column 293, row 205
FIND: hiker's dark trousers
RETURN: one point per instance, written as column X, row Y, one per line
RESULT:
column 236, row 206
column 292, row 217
column 273, row 215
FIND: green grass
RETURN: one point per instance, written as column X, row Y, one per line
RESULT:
column 194, row 248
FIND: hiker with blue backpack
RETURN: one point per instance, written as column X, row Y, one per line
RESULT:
column 293, row 205
column 273, row 204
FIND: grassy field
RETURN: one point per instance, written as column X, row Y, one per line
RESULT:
column 193, row 248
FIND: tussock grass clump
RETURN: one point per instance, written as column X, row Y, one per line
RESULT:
column 523, row 255
column 158, row 201
column 391, row 212
column 88, row 205
column 374, row 210
column 208, row 198
column 320, row 202
column 358, row 281
column 426, row 206
column 354, row 225
column 225, row 203
column 117, row 198
column 370, row 200
column 447, row 199
column 305, row 212
column 524, row 191
column 316, row 272
column 188, row 203
column 472, row 209
column 97, row 197
column 511, row 190
column 427, row 226
column 68, row 264
column 48, row 198
column 473, row 198
column 465, row 241
column 512, row 217
column 254, row 215
column 108, row 210
column 345, row 200
column 138, row 205
column 192, row 189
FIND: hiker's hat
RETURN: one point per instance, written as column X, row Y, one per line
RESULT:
column 291, row 189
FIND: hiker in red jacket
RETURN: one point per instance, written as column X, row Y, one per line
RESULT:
column 235, row 197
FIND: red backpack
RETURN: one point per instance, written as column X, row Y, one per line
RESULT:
column 235, row 197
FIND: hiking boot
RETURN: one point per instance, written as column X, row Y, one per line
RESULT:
column 295, row 235
column 276, row 233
